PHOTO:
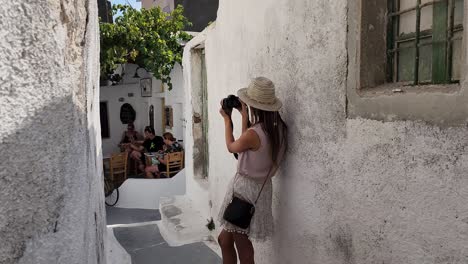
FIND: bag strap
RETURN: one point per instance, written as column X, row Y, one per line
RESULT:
column 258, row 196
column 266, row 179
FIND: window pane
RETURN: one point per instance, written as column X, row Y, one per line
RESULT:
column 458, row 16
column 456, row 55
column 425, row 61
column 408, row 20
column 406, row 61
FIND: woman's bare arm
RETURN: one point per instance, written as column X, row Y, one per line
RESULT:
column 248, row 140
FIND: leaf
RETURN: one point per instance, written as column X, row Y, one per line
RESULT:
column 149, row 37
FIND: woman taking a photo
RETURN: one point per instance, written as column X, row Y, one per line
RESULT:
column 261, row 148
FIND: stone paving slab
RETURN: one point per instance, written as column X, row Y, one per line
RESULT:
column 117, row 215
column 146, row 245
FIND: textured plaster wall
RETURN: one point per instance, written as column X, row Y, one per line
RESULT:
column 51, row 198
column 350, row 190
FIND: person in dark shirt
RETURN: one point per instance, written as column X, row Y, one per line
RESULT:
column 170, row 145
column 152, row 143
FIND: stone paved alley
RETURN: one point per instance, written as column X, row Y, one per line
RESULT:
column 136, row 230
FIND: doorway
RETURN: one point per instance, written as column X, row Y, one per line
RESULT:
column 200, row 115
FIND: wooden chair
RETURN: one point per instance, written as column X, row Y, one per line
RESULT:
column 174, row 163
column 118, row 168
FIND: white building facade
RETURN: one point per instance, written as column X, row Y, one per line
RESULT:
column 371, row 176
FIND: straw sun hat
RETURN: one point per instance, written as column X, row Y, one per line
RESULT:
column 261, row 95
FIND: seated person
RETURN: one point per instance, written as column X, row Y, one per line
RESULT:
column 152, row 143
column 130, row 136
column 170, row 146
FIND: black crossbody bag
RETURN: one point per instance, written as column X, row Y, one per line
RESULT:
column 240, row 212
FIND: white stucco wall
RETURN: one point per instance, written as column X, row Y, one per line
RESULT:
column 146, row 193
column 51, row 192
column 350, row 190
column 175, row 98
column 111, row 95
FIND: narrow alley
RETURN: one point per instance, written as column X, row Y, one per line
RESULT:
column 234, row 131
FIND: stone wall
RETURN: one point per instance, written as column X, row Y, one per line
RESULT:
column 350, row 190
column 51, row 191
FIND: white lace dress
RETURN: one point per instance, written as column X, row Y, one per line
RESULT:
column 257, row 165
column 261, row 226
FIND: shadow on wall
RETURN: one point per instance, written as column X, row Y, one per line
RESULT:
column 46, row 185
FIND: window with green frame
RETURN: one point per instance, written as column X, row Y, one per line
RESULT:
column 424, row 41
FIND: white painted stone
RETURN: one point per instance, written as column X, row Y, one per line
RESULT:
column 116, row 254
column 181, row 221
column 51, row 191
column 349, row 191
column 146, row 193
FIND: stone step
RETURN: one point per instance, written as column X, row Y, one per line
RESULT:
column 181, row 222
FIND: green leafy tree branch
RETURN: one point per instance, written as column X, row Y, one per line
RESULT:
column 149, row 38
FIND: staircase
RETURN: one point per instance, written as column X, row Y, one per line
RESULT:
column 181, row 222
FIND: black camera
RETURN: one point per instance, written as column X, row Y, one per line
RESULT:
column 231, row 102
column 228, row 104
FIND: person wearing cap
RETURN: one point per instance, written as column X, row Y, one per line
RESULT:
column 261, row 148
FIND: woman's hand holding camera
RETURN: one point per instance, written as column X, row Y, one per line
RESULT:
column 243, row 110
column 223, row 113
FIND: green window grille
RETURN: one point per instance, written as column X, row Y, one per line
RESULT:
column 424, row 41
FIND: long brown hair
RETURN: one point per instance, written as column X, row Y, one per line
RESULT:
column 275, row 129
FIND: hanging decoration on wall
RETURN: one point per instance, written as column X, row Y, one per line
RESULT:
column 127, row 114
column 145, row 85
column 151, row 116
column 168, row 116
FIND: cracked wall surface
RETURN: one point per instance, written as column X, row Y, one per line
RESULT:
column 51, row 202
column 350, row 190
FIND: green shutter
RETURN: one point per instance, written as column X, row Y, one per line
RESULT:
column 439, row 38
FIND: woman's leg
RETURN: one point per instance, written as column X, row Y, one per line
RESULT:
column 135, row 155
column 149, row 170
column 139, row 158
column 244, row 248
column 226, row 242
